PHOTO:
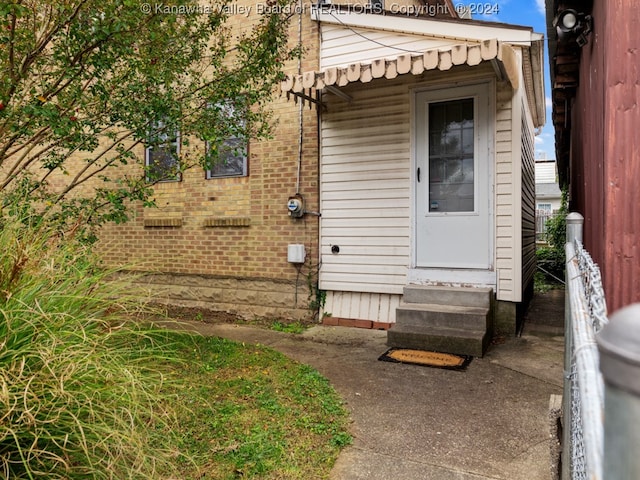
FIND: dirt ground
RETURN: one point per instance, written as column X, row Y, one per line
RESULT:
column 207, row 316
column 545, row 315
column 215, row 317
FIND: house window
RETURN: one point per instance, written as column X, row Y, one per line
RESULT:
column 162, row 153
column 228, row 158
column 544, row 207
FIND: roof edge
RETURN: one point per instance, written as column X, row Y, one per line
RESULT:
column 474, row 30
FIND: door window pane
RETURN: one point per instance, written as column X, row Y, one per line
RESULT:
column 451, row 156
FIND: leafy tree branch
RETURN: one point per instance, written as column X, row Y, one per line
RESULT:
column 85, row 83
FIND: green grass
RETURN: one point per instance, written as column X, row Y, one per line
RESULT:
column 289, row 327
column 543, row 283
column 250, row 412
column 87, row 395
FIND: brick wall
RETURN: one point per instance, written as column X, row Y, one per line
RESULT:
column 222, row 243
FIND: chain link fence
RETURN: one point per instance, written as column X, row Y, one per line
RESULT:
column 594, row 291
column 584, row 388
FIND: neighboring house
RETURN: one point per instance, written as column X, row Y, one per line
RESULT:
column 548, row 195
column 417, row 151
column 426, row 173
column 595, row 69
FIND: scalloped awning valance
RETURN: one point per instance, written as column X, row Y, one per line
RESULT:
column 440, row 58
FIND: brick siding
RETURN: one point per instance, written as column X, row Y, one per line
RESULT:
column 232, row 233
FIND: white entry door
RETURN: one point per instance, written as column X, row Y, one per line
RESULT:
column 453, row 174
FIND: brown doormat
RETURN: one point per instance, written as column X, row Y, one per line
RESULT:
column 426, row 358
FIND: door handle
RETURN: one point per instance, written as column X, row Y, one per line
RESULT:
column 418, row 174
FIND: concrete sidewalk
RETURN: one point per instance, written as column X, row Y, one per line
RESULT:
column 412, row 422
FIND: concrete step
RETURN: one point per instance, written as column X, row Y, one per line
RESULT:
column 445, row 316
column 449, row 340
column 440, row 295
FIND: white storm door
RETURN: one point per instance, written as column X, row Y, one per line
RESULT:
column 453, row 165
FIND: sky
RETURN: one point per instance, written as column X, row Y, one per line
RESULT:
column 530, row 13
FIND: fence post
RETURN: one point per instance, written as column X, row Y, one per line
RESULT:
column 574, row 222
column 619, row 345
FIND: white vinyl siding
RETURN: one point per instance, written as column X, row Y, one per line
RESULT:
column 546, row 171
column 505, row 218
column 376, row 307
column 366, row 189
column 509, row 192
column 342, row 46
column 365, row 195
column 366, row 163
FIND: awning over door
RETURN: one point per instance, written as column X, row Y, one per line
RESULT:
column 502, row 56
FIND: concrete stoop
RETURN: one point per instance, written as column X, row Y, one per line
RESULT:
column 445, row 319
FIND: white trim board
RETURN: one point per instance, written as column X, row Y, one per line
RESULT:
column 426, row 26
column 452, row 277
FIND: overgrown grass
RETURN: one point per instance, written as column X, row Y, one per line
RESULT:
column 77, row 389
column 250, row 412
column 84, row 395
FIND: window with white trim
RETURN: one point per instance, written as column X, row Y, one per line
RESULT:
column 544, row 207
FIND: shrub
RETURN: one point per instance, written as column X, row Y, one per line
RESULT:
column 78, row 391
column 551, row 259
column 557, row 225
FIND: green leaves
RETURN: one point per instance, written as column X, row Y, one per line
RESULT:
column 551, row 259
column 557, row 226
column 89, row 76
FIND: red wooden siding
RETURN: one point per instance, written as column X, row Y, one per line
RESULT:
column 605, row 148
column 622, row 150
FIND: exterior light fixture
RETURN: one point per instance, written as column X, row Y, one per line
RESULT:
column 572, row 25
column 567, row 20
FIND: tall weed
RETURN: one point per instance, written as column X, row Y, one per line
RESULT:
column 79, row 390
